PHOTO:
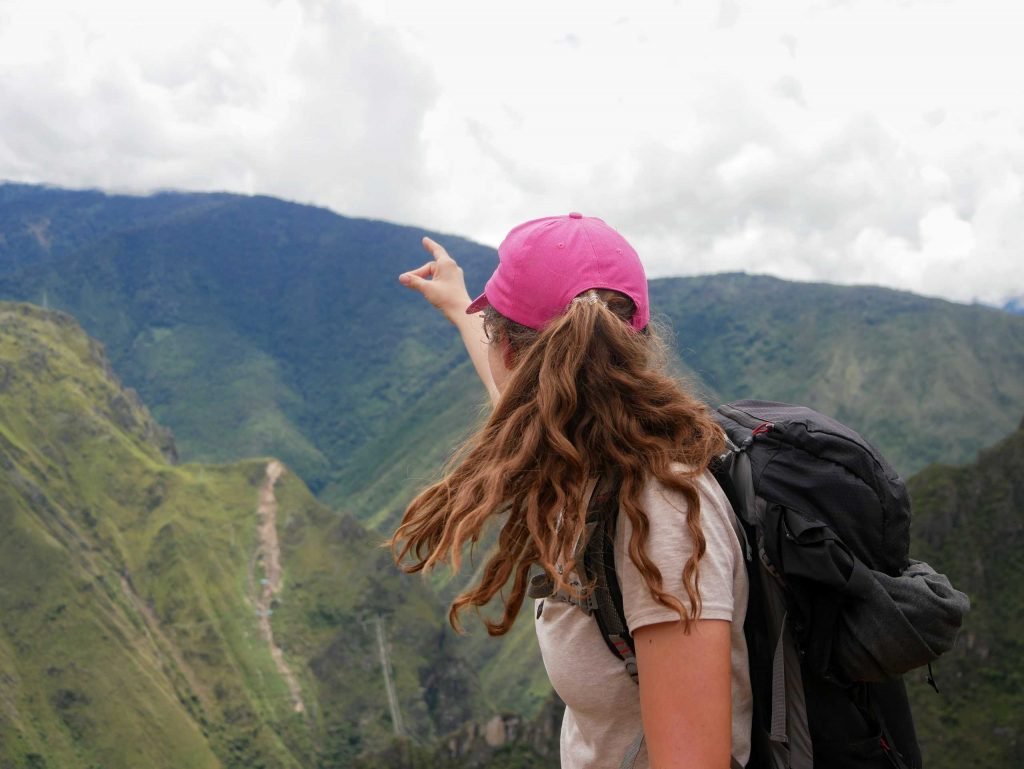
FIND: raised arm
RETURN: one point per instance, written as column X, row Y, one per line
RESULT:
column 442, row 284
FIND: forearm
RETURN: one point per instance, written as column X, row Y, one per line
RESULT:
column 471, row 328
column 442, row 284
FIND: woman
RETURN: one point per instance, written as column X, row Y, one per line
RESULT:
column 561, row 340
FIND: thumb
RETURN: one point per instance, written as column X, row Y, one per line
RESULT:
column 410, row 280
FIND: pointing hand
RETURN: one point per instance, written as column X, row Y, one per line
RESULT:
column 440, row 281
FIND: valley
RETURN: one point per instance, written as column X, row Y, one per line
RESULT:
column 198, row 478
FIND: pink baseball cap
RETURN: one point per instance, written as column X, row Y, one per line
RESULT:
column 545, row 263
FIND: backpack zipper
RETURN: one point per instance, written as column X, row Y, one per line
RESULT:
column 756, row 425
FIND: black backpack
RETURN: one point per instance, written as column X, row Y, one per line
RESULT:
column 837, row 611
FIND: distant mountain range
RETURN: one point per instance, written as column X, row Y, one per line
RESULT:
column 252, row 326
column 136, row 593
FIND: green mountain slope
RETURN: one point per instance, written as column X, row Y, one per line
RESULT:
column 252, row 326
column 970, row 521
column 131, row 593
column 81, row 675
column 256, row 327
column 925, row 380
column 151, row 616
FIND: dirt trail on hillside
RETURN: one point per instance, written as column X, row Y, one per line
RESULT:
column 269, row 554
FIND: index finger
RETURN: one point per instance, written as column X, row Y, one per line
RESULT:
column 426, row 271
column 435, row 249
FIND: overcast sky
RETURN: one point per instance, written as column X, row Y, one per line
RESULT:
column 852, row 141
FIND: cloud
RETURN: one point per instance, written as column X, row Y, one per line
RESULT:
column 307, row 100
column 728, row 13
column 726, row 150
column 858, row 141
column 862, row 206
column 352, row 134
column 788, row 87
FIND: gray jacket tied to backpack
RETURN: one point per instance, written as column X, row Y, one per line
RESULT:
column 890, row 625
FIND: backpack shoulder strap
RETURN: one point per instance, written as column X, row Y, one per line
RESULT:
column 606, row 602
column 599, row 568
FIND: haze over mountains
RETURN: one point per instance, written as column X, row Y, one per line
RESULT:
column 253, row 327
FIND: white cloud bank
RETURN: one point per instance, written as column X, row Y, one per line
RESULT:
column 857, row 142
column 306, row 100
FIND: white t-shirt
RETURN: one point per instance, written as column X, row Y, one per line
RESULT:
column 602, row 716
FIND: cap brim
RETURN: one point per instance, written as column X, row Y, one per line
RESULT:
column 478, row 304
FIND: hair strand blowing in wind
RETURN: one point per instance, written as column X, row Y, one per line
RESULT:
column 588, row 394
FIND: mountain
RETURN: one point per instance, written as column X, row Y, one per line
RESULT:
column 1015, row 305
column 194, row 615
column 923, row 379
column 135, row 595
column 969, row 521
column 132, row 599
column 252, row 326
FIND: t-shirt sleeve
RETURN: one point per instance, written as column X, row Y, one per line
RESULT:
column 669, row 546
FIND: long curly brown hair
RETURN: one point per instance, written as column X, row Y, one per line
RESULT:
column 586, row 395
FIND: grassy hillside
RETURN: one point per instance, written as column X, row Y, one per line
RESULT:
column 82, row 673
column 969, row 520
column 131, row 592
column 128, row 627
